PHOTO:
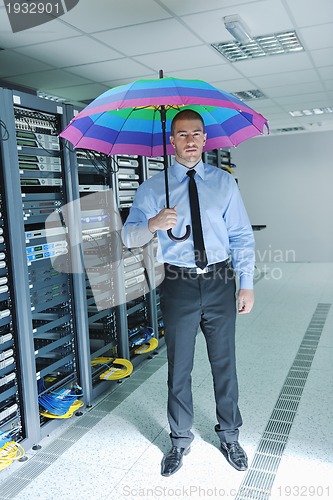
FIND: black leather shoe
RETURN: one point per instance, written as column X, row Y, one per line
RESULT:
column 235, row 455
column 173, row 460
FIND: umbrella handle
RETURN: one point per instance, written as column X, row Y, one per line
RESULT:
column 180, row 238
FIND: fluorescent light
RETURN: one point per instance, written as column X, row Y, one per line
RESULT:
column 237, row 28
column 260, row 46
column 310, row 112
column 50, row 97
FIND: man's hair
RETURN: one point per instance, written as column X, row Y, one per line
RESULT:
column 186, row 114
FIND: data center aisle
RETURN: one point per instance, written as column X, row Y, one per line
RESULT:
column 285, row 355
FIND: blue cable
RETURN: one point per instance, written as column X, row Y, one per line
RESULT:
column 57, row 402
column 142, row 336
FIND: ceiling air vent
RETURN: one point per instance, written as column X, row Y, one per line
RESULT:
column 248, row 95
column 286, row 130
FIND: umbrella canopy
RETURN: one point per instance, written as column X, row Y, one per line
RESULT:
column 136, row 119
column 127, row 119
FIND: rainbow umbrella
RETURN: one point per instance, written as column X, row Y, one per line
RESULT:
column 136, row 119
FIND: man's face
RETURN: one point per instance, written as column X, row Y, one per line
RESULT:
column 188, row 141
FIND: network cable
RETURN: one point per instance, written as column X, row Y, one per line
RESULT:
column 60, row 404
column 10, row 450
column 117, row 368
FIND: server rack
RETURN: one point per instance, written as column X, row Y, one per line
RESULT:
column 36, row 186
column 96, row 278
column 219, row 158
column 139, row 306
column 70, row 292
column 11, row 403
column 153, row 166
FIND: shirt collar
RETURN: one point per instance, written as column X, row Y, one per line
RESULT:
column 180, row 171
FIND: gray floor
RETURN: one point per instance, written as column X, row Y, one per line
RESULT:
column 114, row 451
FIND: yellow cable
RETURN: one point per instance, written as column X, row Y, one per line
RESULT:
column 121, row 368
column 9, row 452
column 74, row 406
column 147, row 347
column 101, row 361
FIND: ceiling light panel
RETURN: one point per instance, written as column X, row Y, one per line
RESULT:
column 261, row 46
column 310, row 112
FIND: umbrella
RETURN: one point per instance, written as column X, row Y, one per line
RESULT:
column 136, row 119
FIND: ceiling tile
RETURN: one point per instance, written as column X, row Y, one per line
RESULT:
column 12, row 64
column 91, row 17
column 236, row 85
column 286, row 78
column 79, row 50
column 326, row 73
column 109, row 70
column 181, row 59
column 125, row 81
column 303, row 101
column 80, row 92
column 281, row 122
column 290, row 90
column 210, row 74
column 280, row 115
column 181, row 8
column 305, row 14
column 48, row 79
column 328, row 84
column 266, row 105
column 261, row 18
column 53, row 30
column 159, row 36
column 322, row 57
column 317, row 37
column 274, row 64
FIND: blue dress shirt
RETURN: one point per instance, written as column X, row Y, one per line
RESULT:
column 226, row 226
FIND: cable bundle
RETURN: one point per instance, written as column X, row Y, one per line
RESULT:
column 140, row 337
column 147, row 347
column 118, row 368
column 61, row 404
column 9, row 449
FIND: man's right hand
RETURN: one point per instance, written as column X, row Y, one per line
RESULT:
column 165, row 219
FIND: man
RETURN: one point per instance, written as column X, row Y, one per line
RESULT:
column 199, row 286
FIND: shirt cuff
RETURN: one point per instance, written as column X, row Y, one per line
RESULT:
column 246, row 282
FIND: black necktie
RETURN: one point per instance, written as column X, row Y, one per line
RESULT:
column 199, row 246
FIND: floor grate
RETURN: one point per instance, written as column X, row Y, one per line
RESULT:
column 258, row 482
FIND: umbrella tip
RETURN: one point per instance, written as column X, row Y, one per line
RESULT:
column 160, row 73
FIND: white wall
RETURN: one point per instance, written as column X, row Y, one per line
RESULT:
column 287, row 183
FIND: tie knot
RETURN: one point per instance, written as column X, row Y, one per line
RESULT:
column 191, row 173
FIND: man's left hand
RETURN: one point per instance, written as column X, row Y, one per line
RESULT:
column 245, row 300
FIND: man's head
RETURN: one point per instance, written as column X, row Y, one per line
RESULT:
column 188, row 137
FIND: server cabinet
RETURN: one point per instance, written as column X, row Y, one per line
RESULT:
column 219, row 158
column 98, row 281
column 11, row 398
column 35, row 183
column 140, row 299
